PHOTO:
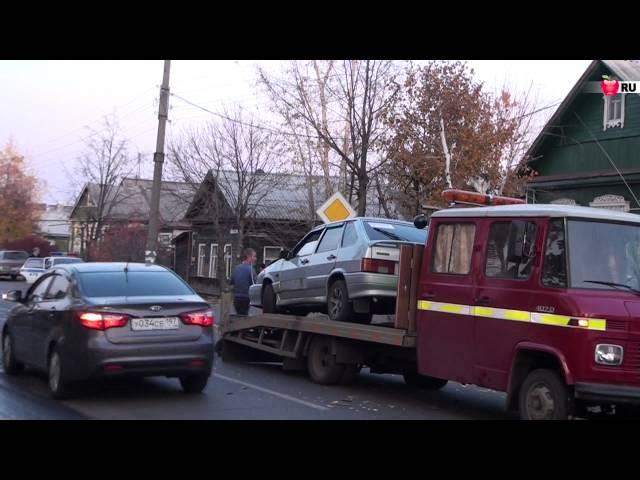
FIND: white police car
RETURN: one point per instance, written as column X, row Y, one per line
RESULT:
column 35, row 267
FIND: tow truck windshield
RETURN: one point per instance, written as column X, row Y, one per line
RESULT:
column 612, row 250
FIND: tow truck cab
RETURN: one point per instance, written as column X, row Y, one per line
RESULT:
column 539, row 301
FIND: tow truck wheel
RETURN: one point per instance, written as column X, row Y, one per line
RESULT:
column 321, row 362
column 414, row 379
column 269, row 299
column 544, row 396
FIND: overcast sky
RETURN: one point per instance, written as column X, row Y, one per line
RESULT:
column 46, row 104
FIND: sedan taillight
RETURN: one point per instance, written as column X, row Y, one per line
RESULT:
column 102, row 321
column 204, row 318
column 373, row 265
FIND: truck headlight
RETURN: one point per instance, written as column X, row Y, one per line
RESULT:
column 607, row 354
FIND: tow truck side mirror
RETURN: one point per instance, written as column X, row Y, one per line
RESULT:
column 420, row 221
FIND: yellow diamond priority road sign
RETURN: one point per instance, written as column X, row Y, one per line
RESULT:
column 336, row 208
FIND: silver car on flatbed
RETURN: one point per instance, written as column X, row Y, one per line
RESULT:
column 348, row 269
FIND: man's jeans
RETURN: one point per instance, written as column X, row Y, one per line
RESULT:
column 241, row 305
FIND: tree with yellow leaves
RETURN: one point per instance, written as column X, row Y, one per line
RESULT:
column 17, row 196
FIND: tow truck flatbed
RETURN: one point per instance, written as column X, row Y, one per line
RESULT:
column 325, row 348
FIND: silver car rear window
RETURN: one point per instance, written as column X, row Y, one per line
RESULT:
column 381, row 230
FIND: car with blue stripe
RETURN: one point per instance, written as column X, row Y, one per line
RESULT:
column 35, row 267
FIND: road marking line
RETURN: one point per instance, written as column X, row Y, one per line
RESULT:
column 271, row 392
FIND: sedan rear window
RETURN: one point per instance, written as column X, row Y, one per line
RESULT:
column 395, row 231
column 132, row 284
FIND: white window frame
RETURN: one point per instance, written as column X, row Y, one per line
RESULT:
column 165, row 238
column 228, row 259
column 202, row 253
column 616, row 122
column 611, row 202
column 264, row 254
column 213, row 261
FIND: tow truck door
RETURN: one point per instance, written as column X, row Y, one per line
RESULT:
column 444, row 319
column 506, row 271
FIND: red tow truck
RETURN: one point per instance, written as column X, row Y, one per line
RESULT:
column 539, row 301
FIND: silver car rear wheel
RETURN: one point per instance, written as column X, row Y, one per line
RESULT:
column 340, row 308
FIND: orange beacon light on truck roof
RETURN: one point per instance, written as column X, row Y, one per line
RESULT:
column 475, row 198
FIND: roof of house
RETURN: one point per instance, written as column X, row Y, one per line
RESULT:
column 131, row 200
column 625, row 69
column 628, row 70
column 284, row 196
column 539, row 210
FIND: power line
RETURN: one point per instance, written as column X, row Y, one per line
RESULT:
column 539, row 110
column 81, row 139
column 315, row 137
column 608, row 158
column 96, row 120
column 240, row 122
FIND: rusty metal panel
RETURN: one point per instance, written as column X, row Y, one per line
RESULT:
column 416, row 265
column 404, row 283
column 226, row 299
column 320, row 324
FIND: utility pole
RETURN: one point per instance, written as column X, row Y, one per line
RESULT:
column 158, row 159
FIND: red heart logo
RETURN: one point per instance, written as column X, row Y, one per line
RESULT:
column 609, row 87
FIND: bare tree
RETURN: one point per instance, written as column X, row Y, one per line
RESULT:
column 358, row 92
column 250, row 156
column 103, row 164
column 322, row 80
column 237, row 160
column 516, row 113
column 310, row 156
column 304, row 152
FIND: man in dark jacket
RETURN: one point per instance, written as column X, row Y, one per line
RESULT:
column 242, row 277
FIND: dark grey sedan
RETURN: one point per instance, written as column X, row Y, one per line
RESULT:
column 86, row 320
column 348, row 269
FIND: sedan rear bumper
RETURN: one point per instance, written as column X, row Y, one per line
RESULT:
column 105, row 359
column 364, row 284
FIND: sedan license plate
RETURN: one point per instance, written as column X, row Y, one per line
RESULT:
column 170, row 323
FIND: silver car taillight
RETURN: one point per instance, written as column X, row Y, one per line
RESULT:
column 374, row 265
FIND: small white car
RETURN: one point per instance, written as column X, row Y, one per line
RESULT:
column 35, row 267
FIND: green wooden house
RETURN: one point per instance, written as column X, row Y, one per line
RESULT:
column 588, row 153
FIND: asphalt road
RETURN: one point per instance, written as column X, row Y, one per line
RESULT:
column 246, row 391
